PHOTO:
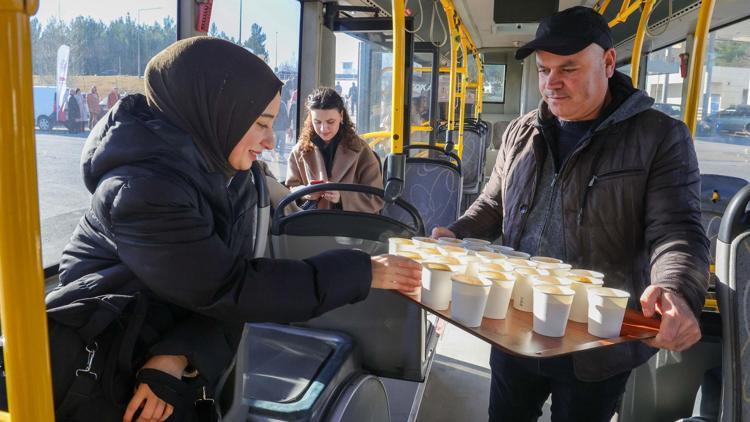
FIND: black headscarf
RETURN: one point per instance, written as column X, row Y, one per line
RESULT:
column 213, row 90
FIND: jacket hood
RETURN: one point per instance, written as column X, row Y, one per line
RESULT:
column 131, row 133
column 631, row 102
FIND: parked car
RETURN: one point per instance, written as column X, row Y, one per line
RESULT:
column 45, row 107
column 733, row 119
column 672, row 110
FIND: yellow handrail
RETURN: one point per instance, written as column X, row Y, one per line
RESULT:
column 640, row 36
column 22, row 312
column 695, row 71
column 429, row 69
column 397, row 87
column 628, row 8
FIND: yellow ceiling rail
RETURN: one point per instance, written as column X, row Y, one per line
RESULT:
column 640, row 36
column 628, row 8
column 695, row 67
column 22, row 311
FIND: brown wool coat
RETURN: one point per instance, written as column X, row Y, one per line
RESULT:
column 356, row 164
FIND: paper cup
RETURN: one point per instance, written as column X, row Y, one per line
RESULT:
column 476, row 241
column 473, row 248
column 427, row 251
column 471, row 262
column 500, row 293
column 560, row 269
column 498, row 267
column 587, row 273
column 517, row 254
column 551, row 308
column 523, row 295
column 579, row 312
column 436, row 285
column 469, row 298
column 546, row 260
column 424, row 241
column 396, row 244
column 450, row 250
column 606, row 311
column 450, row 241
column 521, row 263
column 413, row 255
column 499, row 249
column 488, row 257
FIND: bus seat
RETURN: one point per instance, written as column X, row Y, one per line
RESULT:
column 284, row 373
column 434, row 187
column 391, row 333
column 733, row 294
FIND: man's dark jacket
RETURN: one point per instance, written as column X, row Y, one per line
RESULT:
column 162, row 226
column 630, row 207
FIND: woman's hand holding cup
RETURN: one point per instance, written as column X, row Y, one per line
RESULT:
column 396, row 273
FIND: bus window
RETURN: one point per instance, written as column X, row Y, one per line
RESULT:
column 372, row 74
column 494, row 83
column 97, row 51
column 421, row 96
column 270, row 29
column 664, row 80
column 723, row 129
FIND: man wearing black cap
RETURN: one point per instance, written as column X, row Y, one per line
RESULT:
column 597, row 178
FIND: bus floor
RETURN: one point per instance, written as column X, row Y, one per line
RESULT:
column 458, row 386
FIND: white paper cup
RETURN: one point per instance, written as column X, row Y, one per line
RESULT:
column 469, row 298
column 472, row 262
column 396, row 244
column 546, row 260
column 499, row 249
column 488, row 257
column 424, row 241
column 559, row 269
column 579, row 312
column 518, row 263
column 500, row 293
column 498, row 267
column 523, row 295
column 436, row 285
column 551, row 308
column 450, row 241
column 517, row 254
column 606, row 311
column 451, row 250
column 413, row 255
column 473, row 248
column 476, row 241
column 427, row 251
column 587, row 273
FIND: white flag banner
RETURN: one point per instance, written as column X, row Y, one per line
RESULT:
column 63, row 53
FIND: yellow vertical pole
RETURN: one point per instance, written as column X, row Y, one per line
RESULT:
column 451, row 108
column 479, row 106
column 640, row 36
column 397, row 85
column 463, row 74
column 695, row 71
column 22, row 311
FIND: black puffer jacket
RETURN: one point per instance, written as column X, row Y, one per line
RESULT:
column 161, row 225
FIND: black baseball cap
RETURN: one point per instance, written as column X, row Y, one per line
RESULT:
column 568, row 32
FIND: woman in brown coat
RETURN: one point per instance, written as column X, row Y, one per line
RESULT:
column 329, row 150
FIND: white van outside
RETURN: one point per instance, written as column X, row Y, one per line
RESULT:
column 45, row 107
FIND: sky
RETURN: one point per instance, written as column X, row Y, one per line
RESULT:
column 279, row 18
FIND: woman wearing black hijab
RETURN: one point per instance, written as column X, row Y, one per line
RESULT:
column 159, row 274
